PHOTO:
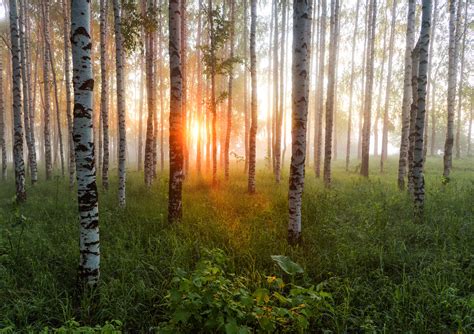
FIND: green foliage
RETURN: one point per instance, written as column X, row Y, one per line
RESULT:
column 384, row 273
column 213, row 57
column 212, row 300
column 288, row 266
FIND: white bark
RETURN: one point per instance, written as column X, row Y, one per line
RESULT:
column 119, row 66
column 300, row 92
column 176, row 124
column 418, row 158
column 410, row 41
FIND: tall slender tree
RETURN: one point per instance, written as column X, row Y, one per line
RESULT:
column 364, row 168
column 300, row 92
column 452, row 78
column 83, row 79
column 279, row 115
column 318, row 122
column 388, row 86
column 431, row 88
column 104, row 92
column 150, row 93
column 229, row 91
column 184, row 81
column 462, row 37
column 67, row 84
column 253, row 99
column 199, row 92
column 410, row 41
column 119, row 69
column 16, row 88
column 351, row 89
column 176, row 120
column 26, row 93
column 3, row 144
column 418, row 159
column 331, row 85
column 46, row 91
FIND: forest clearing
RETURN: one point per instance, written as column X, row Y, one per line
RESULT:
column 224, row 166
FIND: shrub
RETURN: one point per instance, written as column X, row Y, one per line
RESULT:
column 210, row 299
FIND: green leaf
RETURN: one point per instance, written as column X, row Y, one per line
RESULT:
column 288, row 266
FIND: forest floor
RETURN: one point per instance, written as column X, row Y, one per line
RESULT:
column 384, row 273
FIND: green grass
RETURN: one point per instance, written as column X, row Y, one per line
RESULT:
column 385, row 273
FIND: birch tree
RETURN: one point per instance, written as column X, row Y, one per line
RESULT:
column 364, row 168
column 151, row 101
column 279, row 115
column 119, row 69
column 418, row 159
column 46, row 91
column 388, row 87
column 462, row 36
column 3, row 144
column 351, row 89
column 253, row 98
column 19, row 164
column 318, row 122
column 331, row 85
column 300, row 91
column 104, row 92
column 176, row 121
column 83, row 140
column 67, row 73
column 30, row 142
column 229, row 91
column 410, row 41
column 452, row 78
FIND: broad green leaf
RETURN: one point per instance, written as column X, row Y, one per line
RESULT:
column 288, row 266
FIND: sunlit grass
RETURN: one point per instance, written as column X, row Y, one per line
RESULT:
column 359, row 240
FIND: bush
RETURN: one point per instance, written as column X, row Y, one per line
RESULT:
column 212, row 300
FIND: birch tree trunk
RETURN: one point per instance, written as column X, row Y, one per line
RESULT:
column 410, row 40
column 246, row 104
column 17, row 121
column 380, row 84
column 388, row 88
column 469, row 132
column 351, row 89
column 279, row 116
column 318, row 122
column 364, row 168
column 334, row 22
column 56, row 99
column 461, row 79
column 431, row 87
column 119, row 65
column 30, row 142
column 176, row 119
column 84, row 143
column 199, row 94
column 300, row 90
column 3, row 145
column 418, row 159
column 150, row 91
column 275, row 85
column 67, row 73
column 253, row 101
column 46, row 91
column 104, row 92
column 162, row 93
column 452, row 78
column 413, row 113
column 229, row 92
column 184, row 82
